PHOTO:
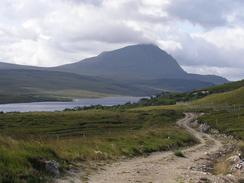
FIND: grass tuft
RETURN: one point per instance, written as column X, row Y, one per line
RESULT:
column 179, row 153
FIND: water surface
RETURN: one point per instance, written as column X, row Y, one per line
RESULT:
column 59, row 106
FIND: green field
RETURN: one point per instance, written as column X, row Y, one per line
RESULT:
column 215, row 101
column 225, row 110
column 235, row 97
column 83, row 135
column 228, row 93
column 228, row 121
column 111, row 132
column 226, row 87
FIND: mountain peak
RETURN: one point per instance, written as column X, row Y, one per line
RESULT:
column 141, row 61
column 134, row 62
column 133, row 48
column 144, row 45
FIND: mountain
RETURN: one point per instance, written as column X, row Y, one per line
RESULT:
column 138, row 70
column 18, row 85
column 132, row 62
column 8, row 66
column 41, row 85
column 136, row 62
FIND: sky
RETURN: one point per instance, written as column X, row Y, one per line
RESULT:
column 205, row 36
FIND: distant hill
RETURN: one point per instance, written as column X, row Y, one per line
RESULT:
column 40, row 85
column 138, row 70
column 226, row 87
column 137, row 62
column 8, row 66
column 223, row 99
column 225, row 94
column 227, row 98
column 17, row 83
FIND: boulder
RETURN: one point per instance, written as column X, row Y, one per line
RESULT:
column 52, row 167
column 49, row 166
column 234, row 159
column 204, row 127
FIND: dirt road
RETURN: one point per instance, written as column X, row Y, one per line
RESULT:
column 164, row 167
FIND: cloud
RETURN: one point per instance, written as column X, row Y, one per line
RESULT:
column 199, row 33
column 231, row 73
column 205, row 13
column 199, row 50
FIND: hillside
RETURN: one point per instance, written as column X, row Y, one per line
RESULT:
column 228, row 93
column 226, row 87
column 136, row 62
column 138, row 70
column 36, row 85
column 228, row 113
column 8, row 66
column 39, row 85
column 227, row 98
column 143, row 62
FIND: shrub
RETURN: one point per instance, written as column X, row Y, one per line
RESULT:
column 179, row 154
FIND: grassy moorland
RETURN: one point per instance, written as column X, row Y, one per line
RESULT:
column 109, row 133
column 226, row 87
column 235, row 97
column 227, row 112
column 170, row 99
column 186, row 102
column 224, row 108
column 228, row 121
column 82, row 135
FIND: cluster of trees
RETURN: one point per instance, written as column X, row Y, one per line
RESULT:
column 167, row 98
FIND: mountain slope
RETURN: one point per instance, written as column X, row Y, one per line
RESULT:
column 8, row 66
column 227, row 98
column 226, row 87
column 25, row 80
column 138, row 70
column 137, row 62
column 23, row 84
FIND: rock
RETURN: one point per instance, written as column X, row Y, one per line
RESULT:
column 214, row 131
column 233, row 159
column 241, row 180
column 204, row 180
column 49, row 166
column 204, row 128
column 98, row 152
column 52, row 167
column 194, row 124
column 229, row 175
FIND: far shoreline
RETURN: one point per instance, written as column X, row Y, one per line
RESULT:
column 58, row 105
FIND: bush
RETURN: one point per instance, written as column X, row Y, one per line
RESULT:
column 179, row 154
